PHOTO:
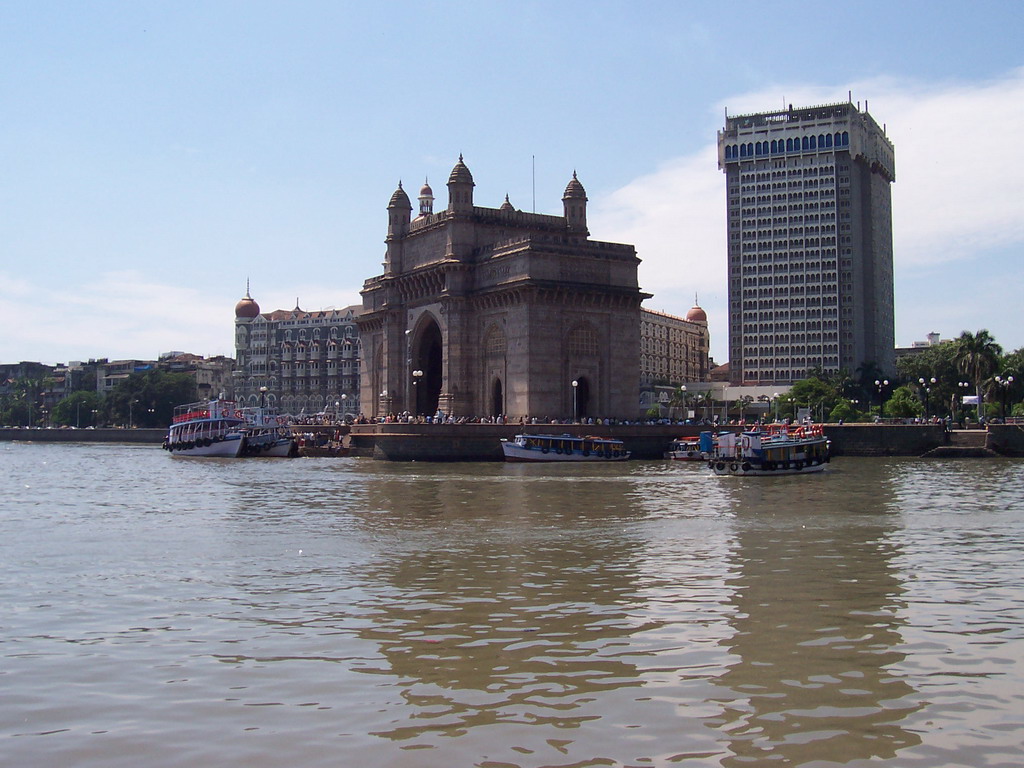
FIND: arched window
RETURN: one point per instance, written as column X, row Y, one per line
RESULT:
column 789, row 145
column 582, row 341
column 805, row 144
column 814, row 142
column 494, row 342
column 846, row 139
column 828, row 139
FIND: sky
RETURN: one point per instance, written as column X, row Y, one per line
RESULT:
column 158, row 157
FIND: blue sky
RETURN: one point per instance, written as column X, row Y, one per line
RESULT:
column 156, row 155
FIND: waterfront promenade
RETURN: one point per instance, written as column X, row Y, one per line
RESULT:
column 482, row 442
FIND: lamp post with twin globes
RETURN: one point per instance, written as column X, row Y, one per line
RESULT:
column 1004, row 383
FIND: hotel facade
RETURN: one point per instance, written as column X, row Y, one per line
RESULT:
column 809, row 232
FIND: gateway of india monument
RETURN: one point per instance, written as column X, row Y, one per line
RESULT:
column 494, row 311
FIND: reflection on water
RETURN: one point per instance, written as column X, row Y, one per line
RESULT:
column 329, row 612
column 817, row 631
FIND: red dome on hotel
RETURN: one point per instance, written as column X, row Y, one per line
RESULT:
column 247, row 307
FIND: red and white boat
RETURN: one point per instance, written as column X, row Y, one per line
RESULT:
column 211, row 428
column 775, row 450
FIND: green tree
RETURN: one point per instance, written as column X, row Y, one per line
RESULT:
column 934, row 362
column 818, row 395
column 977, row 357
column 846, row 410
column 904, row 404
column 79, row 409
column 22, row 405
column 148, row 398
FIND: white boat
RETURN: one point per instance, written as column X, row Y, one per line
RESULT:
column 774, row 451
column 686, row 449
column 267, row 434
column 209, row 428
column 563, row 448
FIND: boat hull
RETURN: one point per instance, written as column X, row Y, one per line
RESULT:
column 533, row 455
column 747, row 468
column 688, row 455
column 228, row 447
column 269, row 447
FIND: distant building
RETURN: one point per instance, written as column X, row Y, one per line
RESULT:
column 934, row 339
column 110, row 373
column 673, row 350
column 809, row 226
column 300, row 362
column 213, row 375
column 490, row 311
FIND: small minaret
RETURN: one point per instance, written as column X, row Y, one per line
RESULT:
column 426, row 199
column 399, row 209
column 399, row 212
column 574, row 202
column 460, row 189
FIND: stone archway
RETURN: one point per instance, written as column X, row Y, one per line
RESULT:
column 428, row 358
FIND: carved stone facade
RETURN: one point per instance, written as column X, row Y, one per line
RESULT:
column 494, row 311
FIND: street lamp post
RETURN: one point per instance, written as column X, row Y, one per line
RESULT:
column 1004, row 385
column 926, row 387
column 881, row 385
column 963, row 387
column 775, row 400
column 131, row 422
column 344, row 409
column 575, row 386
column 416, row 376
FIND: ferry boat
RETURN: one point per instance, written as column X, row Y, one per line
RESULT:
column 267, row 434
column 773, row 451
column 563, row 448
column 208, row 428
column 689, row 449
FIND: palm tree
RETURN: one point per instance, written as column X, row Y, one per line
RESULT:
column 977, row 357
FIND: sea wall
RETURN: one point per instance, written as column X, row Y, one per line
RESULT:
column 40, row 435
column 1006, row 439
column 884, row 439
column 482, row 442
